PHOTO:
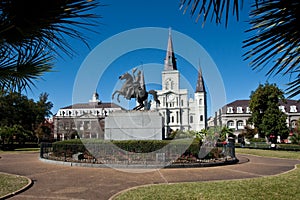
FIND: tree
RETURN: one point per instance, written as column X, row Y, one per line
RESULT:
column 266, row 115
column 226, row 132
column 275, row 33
column 295, row 138
column 33, row 32
column 20, row 116
column 249, row 132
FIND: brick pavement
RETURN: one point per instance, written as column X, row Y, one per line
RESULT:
column 53, row 181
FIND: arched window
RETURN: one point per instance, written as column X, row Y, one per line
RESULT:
column 191, row 119
column 240, row 124
column 294, row 123
column 230, row 124
column 200, row 101
column 201, row 118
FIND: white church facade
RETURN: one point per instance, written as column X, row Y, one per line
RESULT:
column 178, row 110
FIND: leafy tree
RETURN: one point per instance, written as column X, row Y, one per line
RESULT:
column 21, row 116
column 226, row 132
column 16, row 132
column 43, row 107
column 295, row 138
column 33, row 32
column 275, row 33
column 249, row 132
column 266, row 115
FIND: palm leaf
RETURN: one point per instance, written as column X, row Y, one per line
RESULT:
column 294, row 87
column 30, row 29
column 19, row 68
column 216, row 8
column 47, row 21
column 276, row 39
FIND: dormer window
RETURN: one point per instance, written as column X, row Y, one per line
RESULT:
column 229, row 110
column 239, row 109
column 293, row 109
column 248, row 110
column 282, row 108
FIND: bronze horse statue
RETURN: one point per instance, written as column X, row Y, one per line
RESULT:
column 134, row 87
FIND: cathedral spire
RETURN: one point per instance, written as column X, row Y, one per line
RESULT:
column 170, row 60
column 200, row 83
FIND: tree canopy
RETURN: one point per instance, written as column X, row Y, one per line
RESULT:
column 20, row 116
column 266, row 115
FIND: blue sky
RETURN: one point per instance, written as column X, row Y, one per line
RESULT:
column 224, row 45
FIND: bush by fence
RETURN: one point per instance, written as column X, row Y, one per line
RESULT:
column 264, row 145
column 100, row 151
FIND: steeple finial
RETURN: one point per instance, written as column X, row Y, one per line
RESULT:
column 170, row 60
column 200, row 83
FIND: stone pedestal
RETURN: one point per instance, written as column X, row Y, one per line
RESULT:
column 134, row 125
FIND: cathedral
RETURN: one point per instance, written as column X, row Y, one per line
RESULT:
column 178, row 110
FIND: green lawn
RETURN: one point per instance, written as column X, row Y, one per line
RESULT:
column 284, row 186
column 270, row 153
column 28, row 149
column 11, row 183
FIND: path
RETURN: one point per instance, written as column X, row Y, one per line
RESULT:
column 64, row 182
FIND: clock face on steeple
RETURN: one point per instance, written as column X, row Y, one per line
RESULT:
column 171, row 97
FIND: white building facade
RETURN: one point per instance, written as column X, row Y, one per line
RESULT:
column 180, row 112
column 235, row 115
column 84, row 120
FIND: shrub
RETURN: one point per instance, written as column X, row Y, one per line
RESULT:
column 70, row 147
column 257, row 140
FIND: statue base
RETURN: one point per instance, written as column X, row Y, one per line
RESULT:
column 134, row 125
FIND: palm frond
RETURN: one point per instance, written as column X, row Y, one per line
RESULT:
column 276, row 39
column 48, row 21
column 294, row 87
column 216, row 8
column 21, row 67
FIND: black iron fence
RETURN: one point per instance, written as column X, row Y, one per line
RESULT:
column 110, row 154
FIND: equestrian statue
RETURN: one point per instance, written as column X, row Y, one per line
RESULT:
column 134, row 87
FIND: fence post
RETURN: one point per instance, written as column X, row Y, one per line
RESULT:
column 231, row 147
column 42, row 150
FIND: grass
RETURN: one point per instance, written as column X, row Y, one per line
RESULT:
column 270, row 153
column 21, row 150
column 11, row 183
column 28, row 149
column 284, row 186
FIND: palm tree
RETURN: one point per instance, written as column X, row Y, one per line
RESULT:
column 275, row 42
column 225, row 133
column 33, row 32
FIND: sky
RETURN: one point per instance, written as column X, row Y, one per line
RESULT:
column 119, row 32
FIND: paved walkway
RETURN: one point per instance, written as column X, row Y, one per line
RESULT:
column 64, row 182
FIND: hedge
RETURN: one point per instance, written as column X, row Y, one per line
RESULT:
column 70, row 147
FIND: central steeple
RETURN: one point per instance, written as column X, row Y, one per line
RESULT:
column 200, row 83
column 170, row 60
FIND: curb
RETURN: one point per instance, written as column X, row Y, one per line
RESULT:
column 30, row 183
column 178, row 165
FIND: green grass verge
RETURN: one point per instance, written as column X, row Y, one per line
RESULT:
column 11, row 183
column 28, row 149
column 284, row 186
column 270, row 153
